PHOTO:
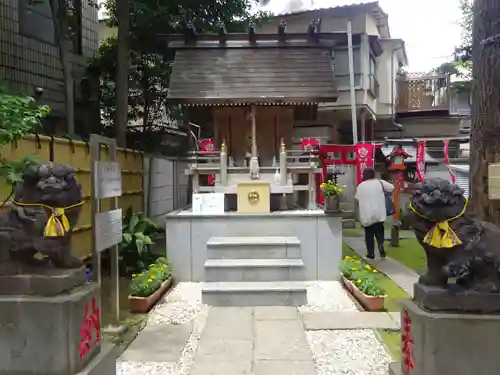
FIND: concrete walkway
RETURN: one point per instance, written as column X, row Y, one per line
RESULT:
column 253, row 340
column 401, row 275
column 244, row 341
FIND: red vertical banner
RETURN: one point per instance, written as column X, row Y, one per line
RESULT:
column 446, row 144
column 365, row 158
column 207, row 147
column 420, row 160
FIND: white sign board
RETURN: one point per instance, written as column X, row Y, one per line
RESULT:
column 108, row 179
column 108, row 229
column 208, row 204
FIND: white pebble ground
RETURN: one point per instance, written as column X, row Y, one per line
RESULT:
column 348, row 352
column 327, row 296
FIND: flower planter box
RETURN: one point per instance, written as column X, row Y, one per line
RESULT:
column 144, row 304
column 370, row 303
column 332, row 204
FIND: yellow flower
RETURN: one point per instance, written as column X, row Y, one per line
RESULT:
column 368, row 267
column 134, row 275
column 374, row 271
column 347, row 257
column 358, row 281
column 150, row 281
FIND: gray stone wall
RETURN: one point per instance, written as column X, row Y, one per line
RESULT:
column 28, row 61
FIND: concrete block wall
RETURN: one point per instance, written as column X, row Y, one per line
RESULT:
column 167, row 189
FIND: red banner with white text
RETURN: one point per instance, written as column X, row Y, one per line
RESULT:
column 365, row 158
column 420, row 160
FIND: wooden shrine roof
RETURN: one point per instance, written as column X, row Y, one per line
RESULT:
column 240, row 71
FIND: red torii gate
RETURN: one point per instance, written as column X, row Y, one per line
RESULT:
column 344, row 155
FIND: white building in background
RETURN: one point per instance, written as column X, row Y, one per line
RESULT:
column 389, row 103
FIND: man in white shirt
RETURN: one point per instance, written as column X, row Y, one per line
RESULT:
column 372, row 211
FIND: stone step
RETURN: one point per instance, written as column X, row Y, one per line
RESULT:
column 276, row 293
column 253, row 248
column 254, row 270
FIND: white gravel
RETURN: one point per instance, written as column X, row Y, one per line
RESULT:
column 182, row 305
column 139, row 368
column 179, row 307
column 342, row 352
column 327, row 296
column 348, row 352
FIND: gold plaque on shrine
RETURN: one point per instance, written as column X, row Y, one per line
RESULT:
column 254, row 197
column 494, row 181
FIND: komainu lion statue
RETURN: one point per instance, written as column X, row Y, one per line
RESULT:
column 455, row 244
column 40, row 219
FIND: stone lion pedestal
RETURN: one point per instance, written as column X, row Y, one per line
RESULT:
column 447, row 343
column 50, row 325
column 49, row 316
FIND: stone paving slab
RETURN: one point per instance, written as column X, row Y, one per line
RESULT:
column 221, row 368
column 159, row 343
column 253, row 341
column 315, row 321
column 224, row 350
column 284, row 368
column 281, row 340
column 229, row 323
column 276, row 313
column 401, row 275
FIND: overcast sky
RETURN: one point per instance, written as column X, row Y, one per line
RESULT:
column 429, row 27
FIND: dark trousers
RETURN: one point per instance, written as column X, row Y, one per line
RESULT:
column 372, row 232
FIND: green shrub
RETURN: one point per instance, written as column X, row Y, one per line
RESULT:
column 146, row 283
column 365, row 277
column 139, row 233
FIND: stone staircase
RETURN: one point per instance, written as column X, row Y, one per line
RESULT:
column 254, row 271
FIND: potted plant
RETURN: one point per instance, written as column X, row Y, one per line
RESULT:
column 362, row 280
column 332, row 192
column 149, row 286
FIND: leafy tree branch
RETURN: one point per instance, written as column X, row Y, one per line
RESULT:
column 19, row 116
column 149, row 71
